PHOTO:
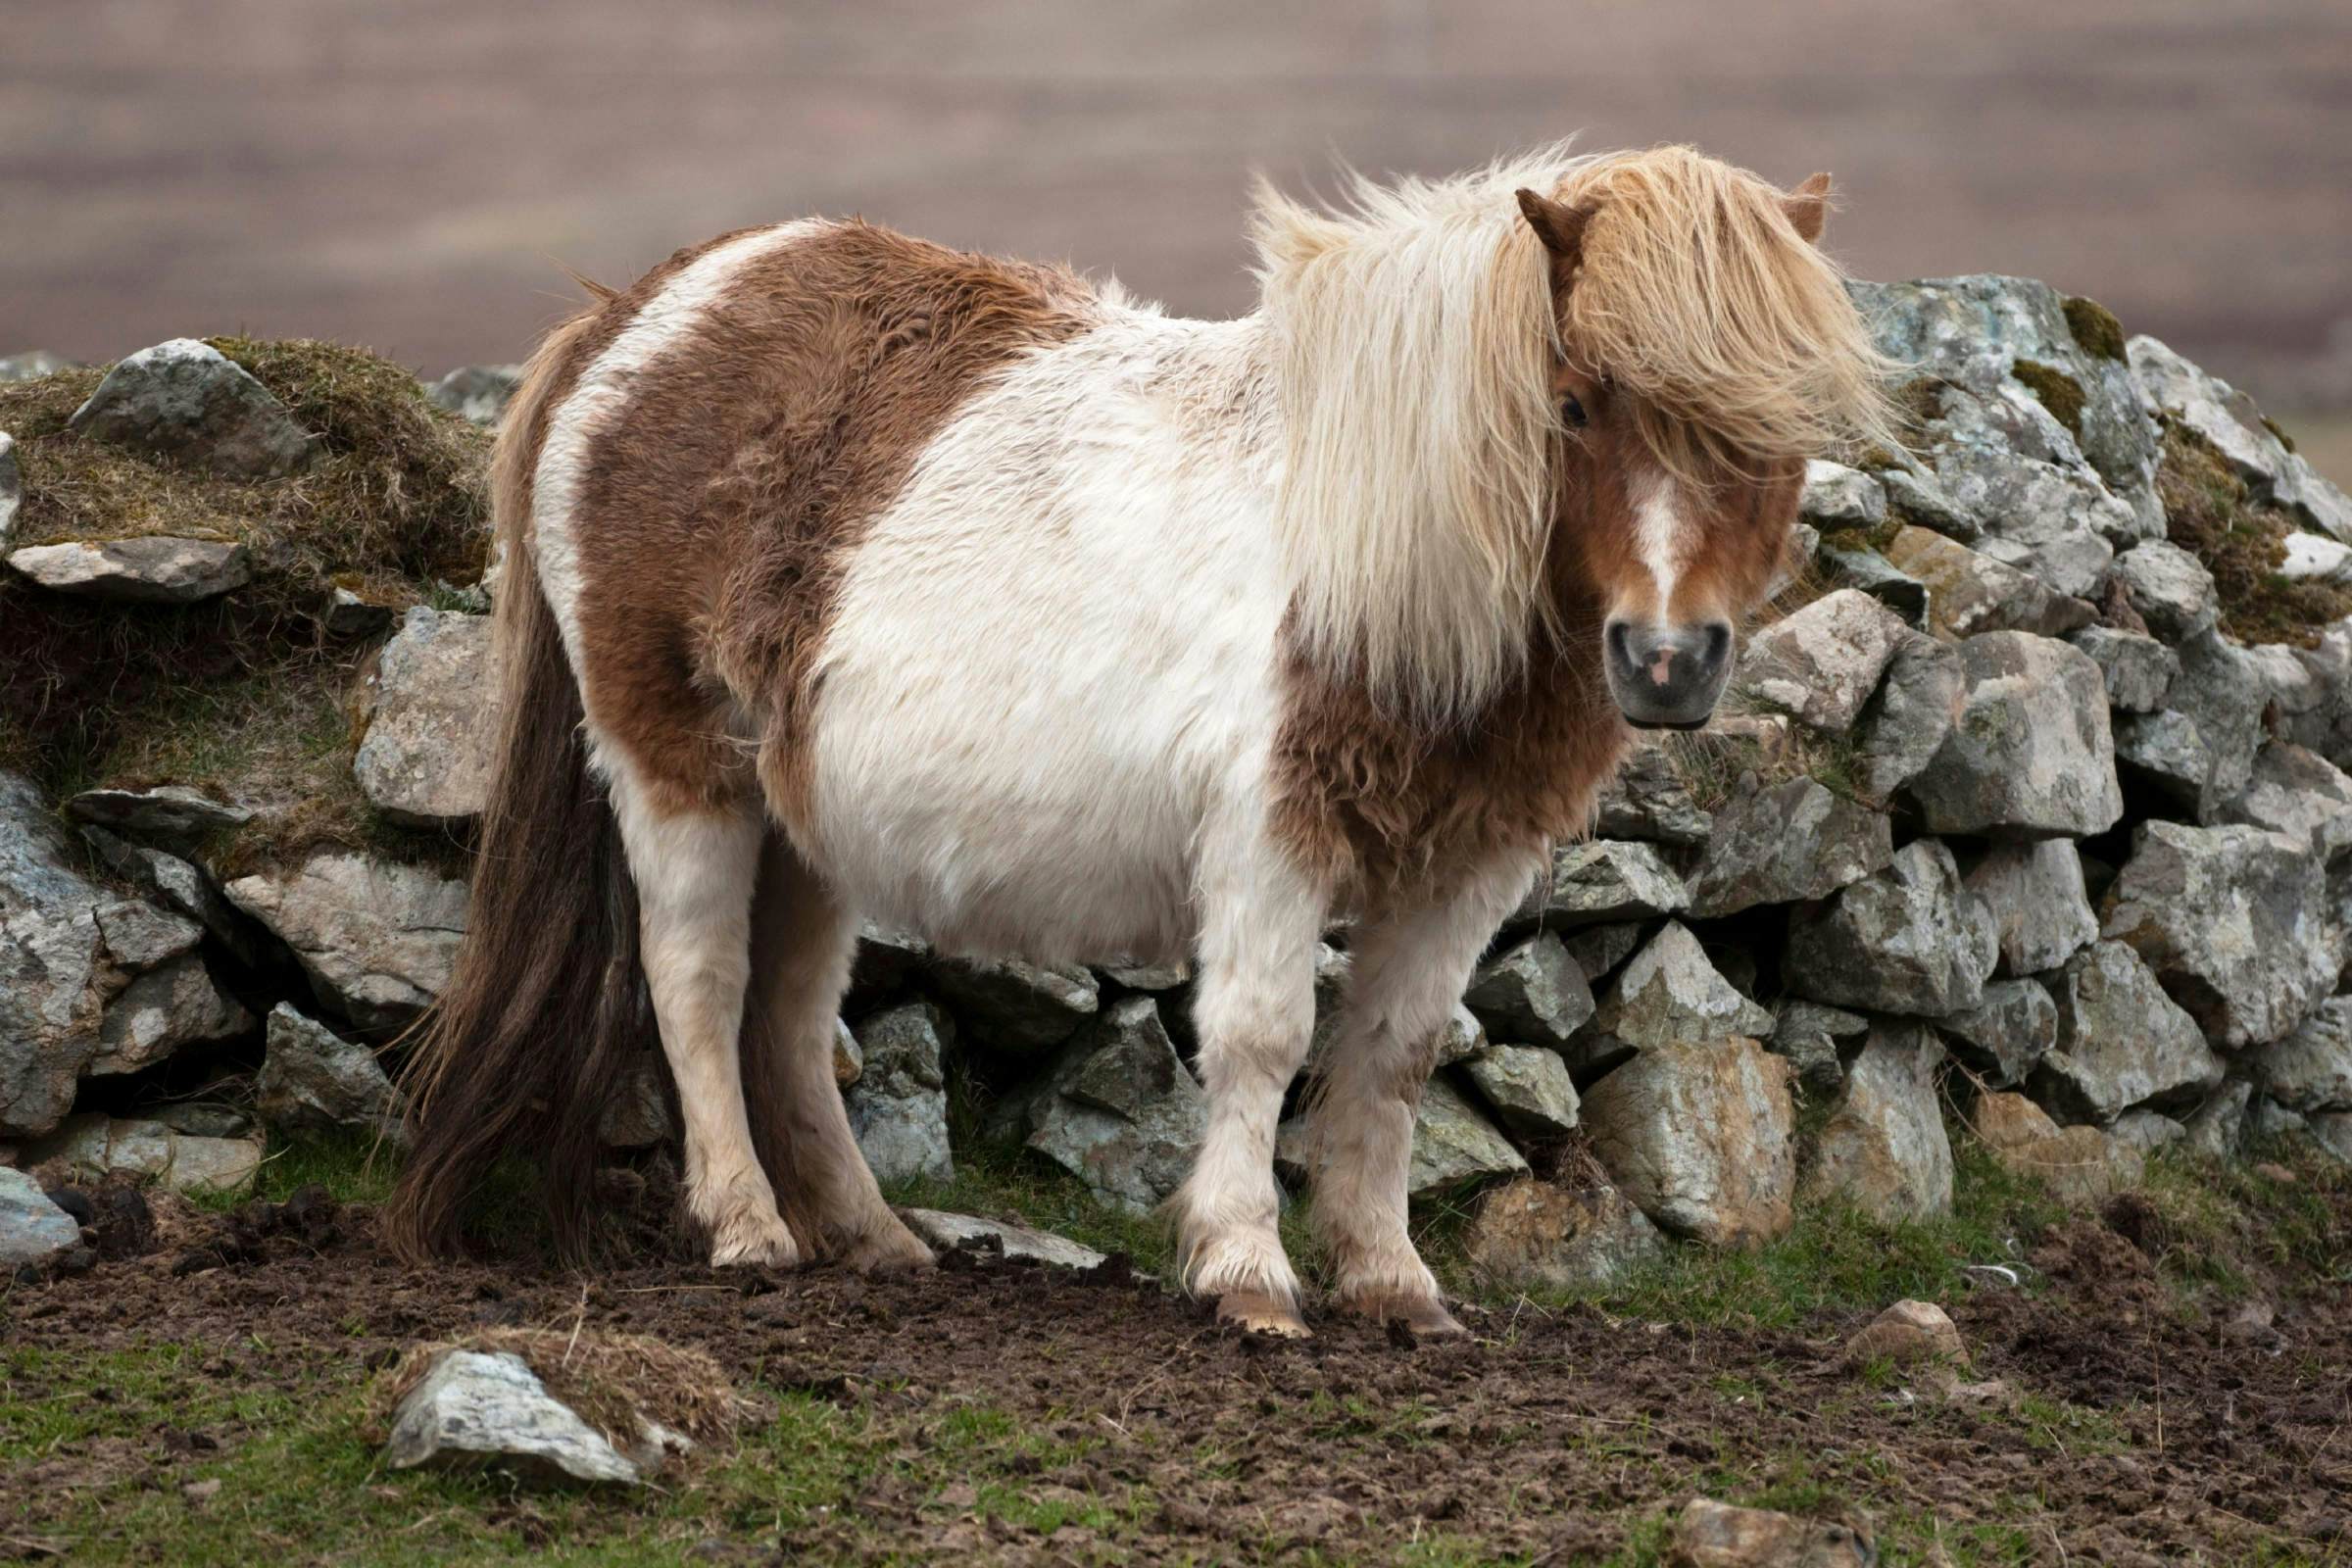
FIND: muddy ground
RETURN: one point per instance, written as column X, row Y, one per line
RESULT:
column 1000, row 1412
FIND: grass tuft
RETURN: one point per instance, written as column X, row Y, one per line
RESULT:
column 2096, row 330
column 2056, row 391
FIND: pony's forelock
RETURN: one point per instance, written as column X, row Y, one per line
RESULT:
column 1415, row 328
column 1734, row 335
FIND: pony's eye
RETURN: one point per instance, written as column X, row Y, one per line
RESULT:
column 1572, row 413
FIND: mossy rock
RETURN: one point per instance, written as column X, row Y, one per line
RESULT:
column 2209, row 511
column 2056, row 391
column 244, row 693
column 2096, row 330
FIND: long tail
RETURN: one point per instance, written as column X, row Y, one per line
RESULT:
column 547, row 1006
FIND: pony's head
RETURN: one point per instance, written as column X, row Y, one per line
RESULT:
column 1704, row 349
column 1565, row 397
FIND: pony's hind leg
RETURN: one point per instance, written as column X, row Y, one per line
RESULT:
column 803, row 941
column 1408, row 971
column 1255, row 1012
column 694, row 866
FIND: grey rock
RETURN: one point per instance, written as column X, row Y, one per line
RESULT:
column 145, row 570
column 1150, row 976
column 1700, row 1137
column 2170, row 588
column 2332, row 1132
column 2138, row 669
column 2315, row 710
column 1527, row 1087
column 1839, row 497
column 1811, row 1036
column 1719, row 1535
column 140, row 936
column 1648, row 799
column 2053, row 521
column 174, row 1004
column 169, row 815
column 1539, row 1235
column 188, row 402
column 1605, row 880
column 375, row 939
column 1969, row 591
column 2147, row 1130
column 1120, row 1112
column 56, row 976
column 351, row 612
column 432, row 728
column 204, row 1118
column 2005, row 1035
column 1462, row 1038
column 33, row 1229
column 2298, row 793
column 1907, row 724
column 898, row 1105
column 33, row 365
column 1017, row 1008
column 948, row 1232
column 94, row 1145
column 2122, row 1041
column 1915, row 497
column 2217, row 1129
column 2199, row 749
column 1973, row 329
column 2313, row 557
column 12, row 488
column 478, row 393
column 1882, row 1148
column 1910, row 939
column 1842, row 560
column 2040, row 911
column 1822, row 662
column 636, row 1113
column 313, row 1080
column 2031, row 754
column 2310, row 1070
column 2230, row 422
column 1454, row 1147
column 2232, row 920
column 1600, row 949
column 1533, row 994
column 1667, row 992
column 178, row 886
column 1795, row 840
column 475, row 1406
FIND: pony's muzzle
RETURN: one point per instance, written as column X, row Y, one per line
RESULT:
column 1667, row 677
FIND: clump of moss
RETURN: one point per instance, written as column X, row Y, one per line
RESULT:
column 2096, row 330
column 2209, row 511
column 2284, row 440
column 242, row 693
column 2055, row 389
column 1916, row 402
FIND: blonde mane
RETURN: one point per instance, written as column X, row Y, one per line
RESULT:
column 1415, row 333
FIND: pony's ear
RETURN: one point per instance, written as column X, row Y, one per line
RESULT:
column 1560, row 229
column 1808, row 208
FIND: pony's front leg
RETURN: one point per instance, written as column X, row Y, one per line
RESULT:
column 1408, row 969
column 1253, row 1009
column 695, row 868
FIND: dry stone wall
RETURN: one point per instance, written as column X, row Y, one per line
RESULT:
column 2005, row 833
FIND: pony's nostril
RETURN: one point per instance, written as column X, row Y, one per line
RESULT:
column 1620, row 638
column 1718, row 645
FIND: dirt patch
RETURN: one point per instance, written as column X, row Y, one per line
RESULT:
column 2146, row 1433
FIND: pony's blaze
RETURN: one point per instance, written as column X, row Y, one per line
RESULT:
column 1667, row 637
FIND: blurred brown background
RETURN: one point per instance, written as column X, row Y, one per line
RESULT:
column 404, row 172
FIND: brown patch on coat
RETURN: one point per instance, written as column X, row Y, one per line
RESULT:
column 720, row 508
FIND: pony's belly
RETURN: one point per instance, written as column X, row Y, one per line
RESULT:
column 981, row 875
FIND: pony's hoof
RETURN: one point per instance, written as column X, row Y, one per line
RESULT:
column 892, row 1251
column 1261, row 1312
column 764, row 1243
column 1425, row 1315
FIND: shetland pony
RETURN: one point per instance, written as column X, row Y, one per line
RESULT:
column 849, row 576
